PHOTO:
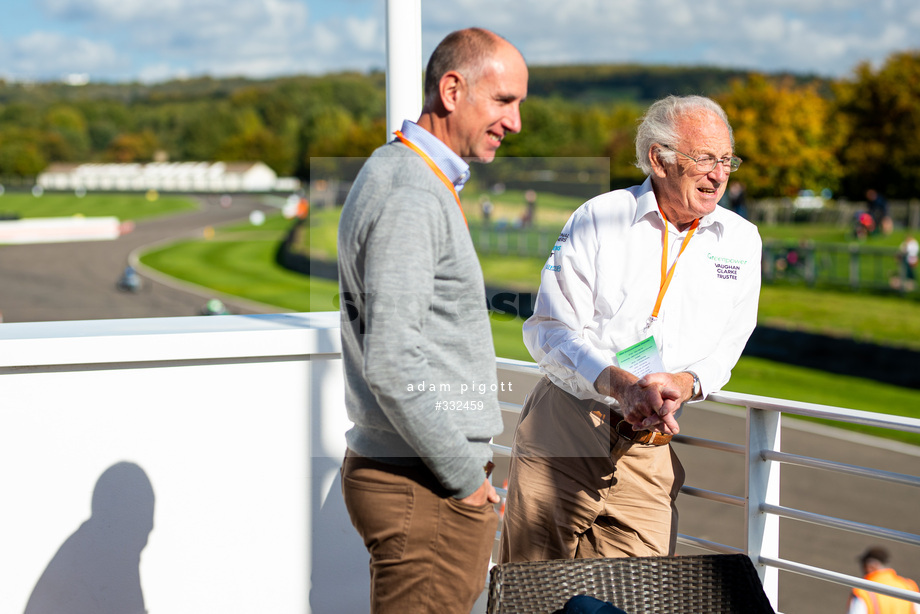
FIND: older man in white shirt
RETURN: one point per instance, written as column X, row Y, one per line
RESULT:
column 646, row 303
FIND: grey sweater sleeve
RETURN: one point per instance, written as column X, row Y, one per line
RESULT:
column 401, row 255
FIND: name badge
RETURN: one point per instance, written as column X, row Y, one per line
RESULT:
column 641, row 359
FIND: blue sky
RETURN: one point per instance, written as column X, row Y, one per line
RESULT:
column 156, row 40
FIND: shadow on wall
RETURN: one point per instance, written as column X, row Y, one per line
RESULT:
column 96, row 570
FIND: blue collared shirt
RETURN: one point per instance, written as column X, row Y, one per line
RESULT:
column 453, row 166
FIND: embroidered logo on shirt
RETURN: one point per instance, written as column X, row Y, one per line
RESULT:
column 726, row 268
column 727, row 271
column 554, row 268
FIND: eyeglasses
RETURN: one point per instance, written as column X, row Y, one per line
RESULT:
column 707, row 164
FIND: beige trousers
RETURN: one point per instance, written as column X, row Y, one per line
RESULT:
column 575, row 492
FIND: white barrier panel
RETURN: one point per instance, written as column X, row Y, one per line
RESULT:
column 178, row 465
column 59, row 230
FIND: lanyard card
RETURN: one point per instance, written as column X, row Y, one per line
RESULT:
column 641, row 359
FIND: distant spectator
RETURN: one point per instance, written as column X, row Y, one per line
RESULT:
column 910, row 254
column 485, row 204
column 863, row 224
column 737, row 200
column 875, row 568
column 878, row 209
column 530, row 198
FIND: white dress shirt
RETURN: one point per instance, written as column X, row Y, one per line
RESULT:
column 599, row 286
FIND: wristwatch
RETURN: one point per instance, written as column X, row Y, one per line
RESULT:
column 697, row 388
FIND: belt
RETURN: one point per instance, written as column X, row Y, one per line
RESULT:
column 621, row 428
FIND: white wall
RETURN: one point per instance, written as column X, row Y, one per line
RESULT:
column 237, row 424
column 59, row 229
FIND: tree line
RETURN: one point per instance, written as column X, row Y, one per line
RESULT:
column 794, row 132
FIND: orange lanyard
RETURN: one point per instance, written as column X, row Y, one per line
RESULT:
column 666, row 274
column 434, row 167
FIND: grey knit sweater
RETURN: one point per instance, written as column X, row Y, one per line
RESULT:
column 420, row 379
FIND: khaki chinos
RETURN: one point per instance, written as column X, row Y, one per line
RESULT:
column 429, row 552
column 576, row 490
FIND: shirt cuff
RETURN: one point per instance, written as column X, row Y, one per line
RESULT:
column 591, row 367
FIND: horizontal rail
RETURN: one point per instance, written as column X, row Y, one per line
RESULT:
column 514, row 408
column 839, row 578
column 865, row 472
column 710, row 444
column 814, row 410
column 839, row 523
column 711, row 495
column 705, row 544
column 519, row 366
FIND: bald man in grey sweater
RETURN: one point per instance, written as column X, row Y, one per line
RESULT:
column 420, row 379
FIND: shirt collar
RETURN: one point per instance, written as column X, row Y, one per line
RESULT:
column 453, row 166
column 648, row 204
column 646, row 201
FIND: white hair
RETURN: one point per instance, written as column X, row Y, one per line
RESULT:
column 659, row 125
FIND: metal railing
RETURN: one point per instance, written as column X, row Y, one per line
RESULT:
column 854, row 266
column 763, row 459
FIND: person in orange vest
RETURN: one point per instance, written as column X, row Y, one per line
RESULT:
column 875, row 567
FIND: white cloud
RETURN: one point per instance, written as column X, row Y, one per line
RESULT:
column 796, row 35
column 266, row 37
column 365, row 34
column 153, row 73
column 42, row 54
column 255, row 38
column 831, row 43
column 104, row 10
column 211, row 27
column 768, row 29
column 324, row 40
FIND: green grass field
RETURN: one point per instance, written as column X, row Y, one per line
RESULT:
column 240, row 260
column 122, row 206
column 827, row 233
column 884, row 319
column 887, row 319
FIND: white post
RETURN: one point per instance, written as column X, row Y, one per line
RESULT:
column 404, row 62
column 763, row 487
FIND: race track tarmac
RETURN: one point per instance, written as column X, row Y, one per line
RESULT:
column 76, row 281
